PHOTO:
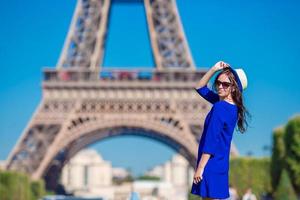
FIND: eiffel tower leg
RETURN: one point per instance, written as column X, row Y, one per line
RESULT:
column 168, row 40
column 84, row 45
column 32, row 146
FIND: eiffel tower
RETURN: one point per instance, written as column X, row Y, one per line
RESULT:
column 83, row 103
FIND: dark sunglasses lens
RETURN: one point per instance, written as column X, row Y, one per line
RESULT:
column 224, row 84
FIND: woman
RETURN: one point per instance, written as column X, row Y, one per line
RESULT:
column 211, row 174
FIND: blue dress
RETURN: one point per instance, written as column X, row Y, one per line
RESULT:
column 216, row 138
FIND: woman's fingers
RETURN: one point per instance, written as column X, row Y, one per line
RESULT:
column 220, row 65
column 226, row 65
column 197, row 179
column 223, row 64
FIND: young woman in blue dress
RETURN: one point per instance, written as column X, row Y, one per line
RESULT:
column 211, row 179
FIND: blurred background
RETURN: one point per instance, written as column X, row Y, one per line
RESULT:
column 260, row 36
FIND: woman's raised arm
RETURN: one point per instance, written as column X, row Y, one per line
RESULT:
column 204, row 80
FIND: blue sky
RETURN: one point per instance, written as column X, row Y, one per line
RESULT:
column 261, row 36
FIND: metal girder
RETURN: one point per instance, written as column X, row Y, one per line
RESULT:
column 84, row 45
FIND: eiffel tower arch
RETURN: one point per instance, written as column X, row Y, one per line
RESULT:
column 83, row 103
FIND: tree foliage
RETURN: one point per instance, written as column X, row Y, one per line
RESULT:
column 14, row 185
column 286, row 154
column 277, row 159
column 250, row 172
column 285, row 191
column 292, row 146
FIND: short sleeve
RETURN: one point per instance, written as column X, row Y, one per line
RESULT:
column 207, row 94
column 214, row 129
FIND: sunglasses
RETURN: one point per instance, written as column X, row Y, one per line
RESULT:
column 224, row 84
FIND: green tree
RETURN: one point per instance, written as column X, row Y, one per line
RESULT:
column 18, row 186
column 285, row 191
column 192, row 196
column 251, row 172
column 292, row 146
column 146, row 177
column 15, row 186
column 37, row 189
column 3, row 192
column 278, row 153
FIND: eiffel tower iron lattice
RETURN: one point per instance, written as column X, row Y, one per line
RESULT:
column 83, row 103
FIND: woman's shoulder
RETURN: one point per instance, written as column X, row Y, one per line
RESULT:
column 219, row 105
column 224, row 104
column 218, row 110
column 224, row 110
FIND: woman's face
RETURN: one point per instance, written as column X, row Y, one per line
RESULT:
column 223, row 89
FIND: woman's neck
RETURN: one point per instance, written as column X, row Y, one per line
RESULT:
column 228, row 99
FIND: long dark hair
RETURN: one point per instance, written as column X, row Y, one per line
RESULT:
column 237, row 98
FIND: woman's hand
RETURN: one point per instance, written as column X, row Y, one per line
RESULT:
column 198, row 175
column 220, row 65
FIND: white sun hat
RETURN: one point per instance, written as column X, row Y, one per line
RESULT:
column 240, row 77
